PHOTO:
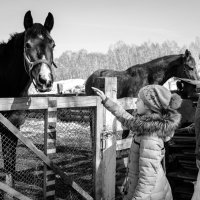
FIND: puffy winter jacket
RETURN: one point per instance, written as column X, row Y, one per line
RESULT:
column 146, row 179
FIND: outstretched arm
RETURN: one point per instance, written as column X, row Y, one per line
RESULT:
column 118, row 111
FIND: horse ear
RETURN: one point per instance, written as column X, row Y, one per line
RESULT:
column 28, row 20
column 187, row 53
column 49, row 22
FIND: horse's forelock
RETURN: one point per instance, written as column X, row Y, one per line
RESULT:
column 38, row 29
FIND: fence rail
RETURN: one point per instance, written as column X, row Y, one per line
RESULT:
column 38, row 103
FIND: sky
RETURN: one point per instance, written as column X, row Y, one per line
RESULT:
column 95, row 25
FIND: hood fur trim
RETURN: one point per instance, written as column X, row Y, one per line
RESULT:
column 155, row 124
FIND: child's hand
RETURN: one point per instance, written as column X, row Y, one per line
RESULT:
column 99, row 93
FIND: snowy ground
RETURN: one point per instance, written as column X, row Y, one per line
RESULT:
column 74, row 86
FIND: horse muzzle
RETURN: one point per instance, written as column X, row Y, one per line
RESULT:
column 42, row 77
column 40, row 71
column 43, row 87
column 43, row 82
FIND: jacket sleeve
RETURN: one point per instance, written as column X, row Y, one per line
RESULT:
column 149, row 163
column 118, row 111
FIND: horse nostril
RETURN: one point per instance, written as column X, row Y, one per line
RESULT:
column 41, row 80
column 49, row 84
column 44, row 81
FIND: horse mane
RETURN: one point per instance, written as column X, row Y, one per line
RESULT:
column 7, row 48
column 13, row 37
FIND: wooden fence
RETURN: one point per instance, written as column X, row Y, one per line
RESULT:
column 50, row 105
column 104, row 150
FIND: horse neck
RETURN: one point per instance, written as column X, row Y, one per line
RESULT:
column 14, row 74
column 173, row 66
column 157, row 71
column 168, row 67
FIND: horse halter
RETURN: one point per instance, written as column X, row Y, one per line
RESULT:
column 32, row 64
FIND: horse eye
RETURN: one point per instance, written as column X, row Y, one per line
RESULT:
column 28, row 46
column 53, row 45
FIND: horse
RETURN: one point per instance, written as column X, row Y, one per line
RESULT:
column 156, row 71
column 26, row 58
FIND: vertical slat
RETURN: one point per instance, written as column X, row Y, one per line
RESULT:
column 111, row 92
column 109, row 153
column 109, row 167
column 50, row 147
column 109, row 86
column 59, row 88
column 97, row 162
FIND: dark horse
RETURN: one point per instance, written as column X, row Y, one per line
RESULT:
column 157, row 71
column 26, row 58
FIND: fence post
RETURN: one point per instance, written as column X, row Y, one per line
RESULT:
column 50, row 147
column 97, row 155
column 109, row 86
column 59, row 88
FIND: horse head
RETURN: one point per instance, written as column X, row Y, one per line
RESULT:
column 188, row 69
column 188, row 78
column 38, row 52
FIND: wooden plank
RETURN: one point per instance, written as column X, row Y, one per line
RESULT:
column 76, row 101
column 26, row 141
column 24, row 103
column 43, row 157
column 31, row 103
column 111, row 92
column 12, row 192
column 109, row 167
column 50, row 147
column 109, row 150
column 109, row 86
column 97, row 164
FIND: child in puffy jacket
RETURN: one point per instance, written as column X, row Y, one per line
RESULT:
column 153, row 124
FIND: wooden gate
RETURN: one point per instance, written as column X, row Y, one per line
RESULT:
column 51, row 104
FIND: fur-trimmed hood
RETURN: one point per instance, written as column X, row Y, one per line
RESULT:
column 155, row 124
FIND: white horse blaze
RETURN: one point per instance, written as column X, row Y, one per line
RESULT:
column 45, row 72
